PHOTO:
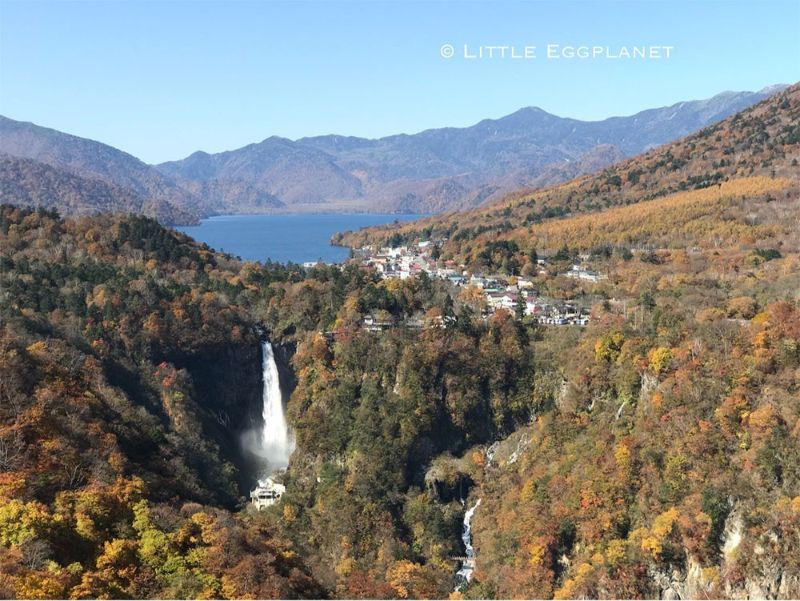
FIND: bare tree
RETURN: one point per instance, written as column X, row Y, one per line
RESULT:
column 12, row 446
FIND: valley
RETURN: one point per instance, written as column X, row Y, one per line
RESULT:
column 648, row 452
column 344, row 299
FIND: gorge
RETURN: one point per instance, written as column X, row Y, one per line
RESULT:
column 132, row 363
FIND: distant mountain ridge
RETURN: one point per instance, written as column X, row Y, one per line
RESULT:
column 89, row 159
column 449, row 168
column 433, row 171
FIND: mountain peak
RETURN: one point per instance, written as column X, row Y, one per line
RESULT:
column 529, row 111
column 272, row 140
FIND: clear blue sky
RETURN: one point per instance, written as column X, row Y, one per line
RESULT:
column 163, row 79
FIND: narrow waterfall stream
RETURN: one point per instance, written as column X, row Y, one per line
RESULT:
column 464, row 574
column 273, row 443
column 276, row 443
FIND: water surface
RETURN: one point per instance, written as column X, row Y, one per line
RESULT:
column 296, row 237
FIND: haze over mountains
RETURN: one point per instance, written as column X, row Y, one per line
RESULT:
column 433, row 171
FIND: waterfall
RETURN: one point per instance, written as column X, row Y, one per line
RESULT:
column 275, row 444
column 464, row 575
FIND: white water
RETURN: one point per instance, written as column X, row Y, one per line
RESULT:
column 273, row 443
column 464, row 575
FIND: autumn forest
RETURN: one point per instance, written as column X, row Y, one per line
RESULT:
column 653, row 452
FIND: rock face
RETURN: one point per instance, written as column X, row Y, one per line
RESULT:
column 732, row 535
column 771, row 578
column 448, row 479
column 678, row 584
column 284, row 352
column 227, row 382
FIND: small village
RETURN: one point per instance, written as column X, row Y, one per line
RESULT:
column 515, row 294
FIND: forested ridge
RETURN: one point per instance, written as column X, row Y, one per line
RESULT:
column 651, row 453
column 42, row 167
column 117, row 467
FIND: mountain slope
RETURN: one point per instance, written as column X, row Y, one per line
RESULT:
column 436, row 170
column 762, row 140
column 648, row 454
column 276, row 166
column 661, row 461
column 29, row 183
column 90, row 159
column 449, row 168
column 127, row 377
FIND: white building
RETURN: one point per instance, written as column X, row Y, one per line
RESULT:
column 580, row 273
column 266, row 493
column 502, row 300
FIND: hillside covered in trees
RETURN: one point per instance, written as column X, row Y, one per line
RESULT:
column 651, row 470
column 30, row 183
column 89, row 177
column 132, row 367
column 650, row 453
column 760, row 141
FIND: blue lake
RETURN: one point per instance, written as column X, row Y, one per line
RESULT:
column 296, row 237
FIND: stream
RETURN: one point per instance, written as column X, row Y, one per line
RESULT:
column 464, row 574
